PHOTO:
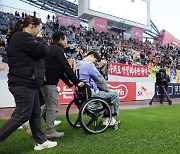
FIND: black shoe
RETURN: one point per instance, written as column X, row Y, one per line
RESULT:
column 150, row 103
column 170, row 102
column 161, row 102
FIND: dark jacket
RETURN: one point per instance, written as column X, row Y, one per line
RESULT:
column 25, row 60
column 57, row 66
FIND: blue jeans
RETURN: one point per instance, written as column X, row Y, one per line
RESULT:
column 114, row 99
column 27, row 108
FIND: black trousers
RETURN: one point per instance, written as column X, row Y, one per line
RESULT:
column 27, row 108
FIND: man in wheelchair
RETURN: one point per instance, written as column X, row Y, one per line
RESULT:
column 88, row 73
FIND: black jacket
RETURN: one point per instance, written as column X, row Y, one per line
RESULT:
column 25, row 60
column 57, row 66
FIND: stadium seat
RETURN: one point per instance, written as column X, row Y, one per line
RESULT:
column 2, row 21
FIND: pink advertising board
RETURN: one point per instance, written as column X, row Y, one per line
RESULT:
column 65, row 21
column 100, row 24
column 137, row 33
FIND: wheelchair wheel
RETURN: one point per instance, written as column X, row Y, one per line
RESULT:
column 91, row 115
column 71, row 114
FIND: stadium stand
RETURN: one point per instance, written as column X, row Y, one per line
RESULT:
column 111, row 45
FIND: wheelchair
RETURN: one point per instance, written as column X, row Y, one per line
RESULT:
column 91, row 111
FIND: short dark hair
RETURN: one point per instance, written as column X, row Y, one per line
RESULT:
column 57, row 36
column 96, row 55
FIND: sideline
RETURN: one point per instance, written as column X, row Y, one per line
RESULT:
column 5, row 113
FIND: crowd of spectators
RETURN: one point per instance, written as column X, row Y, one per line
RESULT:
column 111, row 45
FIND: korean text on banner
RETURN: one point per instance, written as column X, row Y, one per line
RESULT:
column 119, row 69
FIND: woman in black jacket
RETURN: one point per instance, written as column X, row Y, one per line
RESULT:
column 26, row 51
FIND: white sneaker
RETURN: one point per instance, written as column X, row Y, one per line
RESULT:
column 27, row 128
column 57, row 122
column 46, row 144
column 106, row 121
column 113, row 121
column 20, row 127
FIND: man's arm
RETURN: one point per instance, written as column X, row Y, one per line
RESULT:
column 66, row 80
column 101, row 83
column 66, row 67
column 98, row 78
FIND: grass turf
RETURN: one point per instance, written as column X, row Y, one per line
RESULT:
column 145, row 130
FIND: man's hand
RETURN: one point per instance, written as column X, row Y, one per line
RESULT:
column 39, row 34
column 80, row 84
column 69, row 85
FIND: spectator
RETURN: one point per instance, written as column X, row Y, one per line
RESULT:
column 53, row 18
column 34, row 13
column 2, row 45
column 48, row 16
column 16, row 13
column 23, row 15
column 4, row 30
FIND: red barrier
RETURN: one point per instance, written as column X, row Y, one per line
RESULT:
column 65, row 93
column 126, row 91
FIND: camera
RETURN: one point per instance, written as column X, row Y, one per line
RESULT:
column 162, row 82
column 161, row 77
